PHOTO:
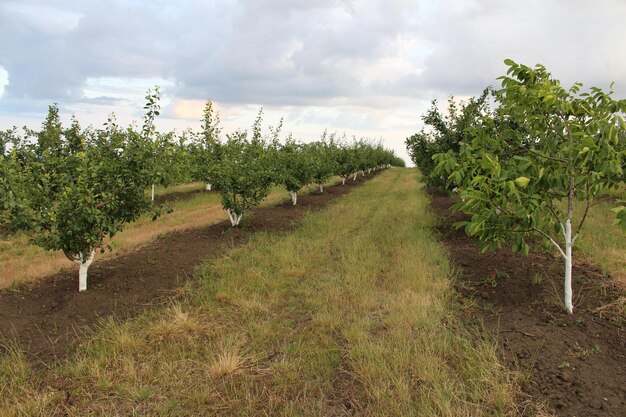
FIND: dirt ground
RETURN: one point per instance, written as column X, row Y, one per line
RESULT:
column 47, row 318
column 575, row 363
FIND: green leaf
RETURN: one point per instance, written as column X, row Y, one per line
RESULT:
column 522, row 181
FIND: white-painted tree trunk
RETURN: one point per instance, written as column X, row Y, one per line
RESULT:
column 569, row 306
column 343, row 180
column 321, row 188
column 84, row 264
column 294, row 197
column 152, row 192
column 354, row 178
column 207, row 187
column 234, row 218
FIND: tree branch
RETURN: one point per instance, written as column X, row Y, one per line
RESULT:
column 551, row 240
column 580, row 225
column 551, row 158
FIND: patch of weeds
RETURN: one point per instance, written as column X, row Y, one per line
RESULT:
column 564, row 365
column 557, row 321
column 537, row 279
column 486, row 307
column 600, row 289
column 580, row 322
column 492, row 279
column 596, row 349
column 502, row 274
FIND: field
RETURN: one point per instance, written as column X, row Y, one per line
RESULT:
column 359, row 301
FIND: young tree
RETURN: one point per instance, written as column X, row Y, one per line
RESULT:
column 517, row 182
column 245, row 171
column 322, row 155
column 205, row 148
column 295, row 168
column 148, row 131
column 75, row 187
column 347, row 162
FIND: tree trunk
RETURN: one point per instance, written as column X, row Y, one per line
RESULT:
column 294, row 197
column 207, row 187
column 152, row 192
column 569, row 306
column 234, row 218
column 321, row 188
column 343, row 180
column 84, row 264
column 354, row 178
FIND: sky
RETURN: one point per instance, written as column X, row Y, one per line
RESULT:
column 363, row 68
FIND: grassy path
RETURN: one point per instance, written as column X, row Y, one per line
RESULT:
column 351, row 314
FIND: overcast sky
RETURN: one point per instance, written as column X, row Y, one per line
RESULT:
column 366, row 68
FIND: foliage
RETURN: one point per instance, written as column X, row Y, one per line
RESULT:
column 295, row 167
column 205, row 148
column 445, row 133
column 71, row 188
column 323, row 159
column 517, row 182
column 246, row 170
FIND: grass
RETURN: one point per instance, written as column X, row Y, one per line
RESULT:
column 351, row 314
column 603, row 243
column 22, row 262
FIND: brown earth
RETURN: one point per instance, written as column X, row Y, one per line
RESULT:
column 177, row 196
column 48, row 318
column 574, row 363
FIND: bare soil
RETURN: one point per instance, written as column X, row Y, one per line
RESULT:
column 49, row 317
column 574, row 363
column 177, row 196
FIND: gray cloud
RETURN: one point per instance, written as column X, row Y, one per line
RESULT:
column 301, row 52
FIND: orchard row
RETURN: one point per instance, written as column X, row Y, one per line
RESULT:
column 71, row 187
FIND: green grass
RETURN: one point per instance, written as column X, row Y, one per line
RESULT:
column 351, row 314
column 603, row 243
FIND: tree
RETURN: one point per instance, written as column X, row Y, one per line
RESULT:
column 347, row 161
column 518, row 182
column 148, row 131
column 443, row 133
column 295, row 168
column 205, row 149
column 245, row 171
column 323, row 160
column 75, row 187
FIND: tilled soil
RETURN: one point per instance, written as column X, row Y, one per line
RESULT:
column 47, row 318
column 575, row 363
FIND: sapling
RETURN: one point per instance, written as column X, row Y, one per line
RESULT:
column 76, row 187
column 245, row 171
column 294, row 168
column 517, row 182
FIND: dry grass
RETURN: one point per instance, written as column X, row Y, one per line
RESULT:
column 351, row 314
column 22, row 262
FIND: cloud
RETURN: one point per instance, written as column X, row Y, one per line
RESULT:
column 575, row 40
column 275, row 52
column 364, row 66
